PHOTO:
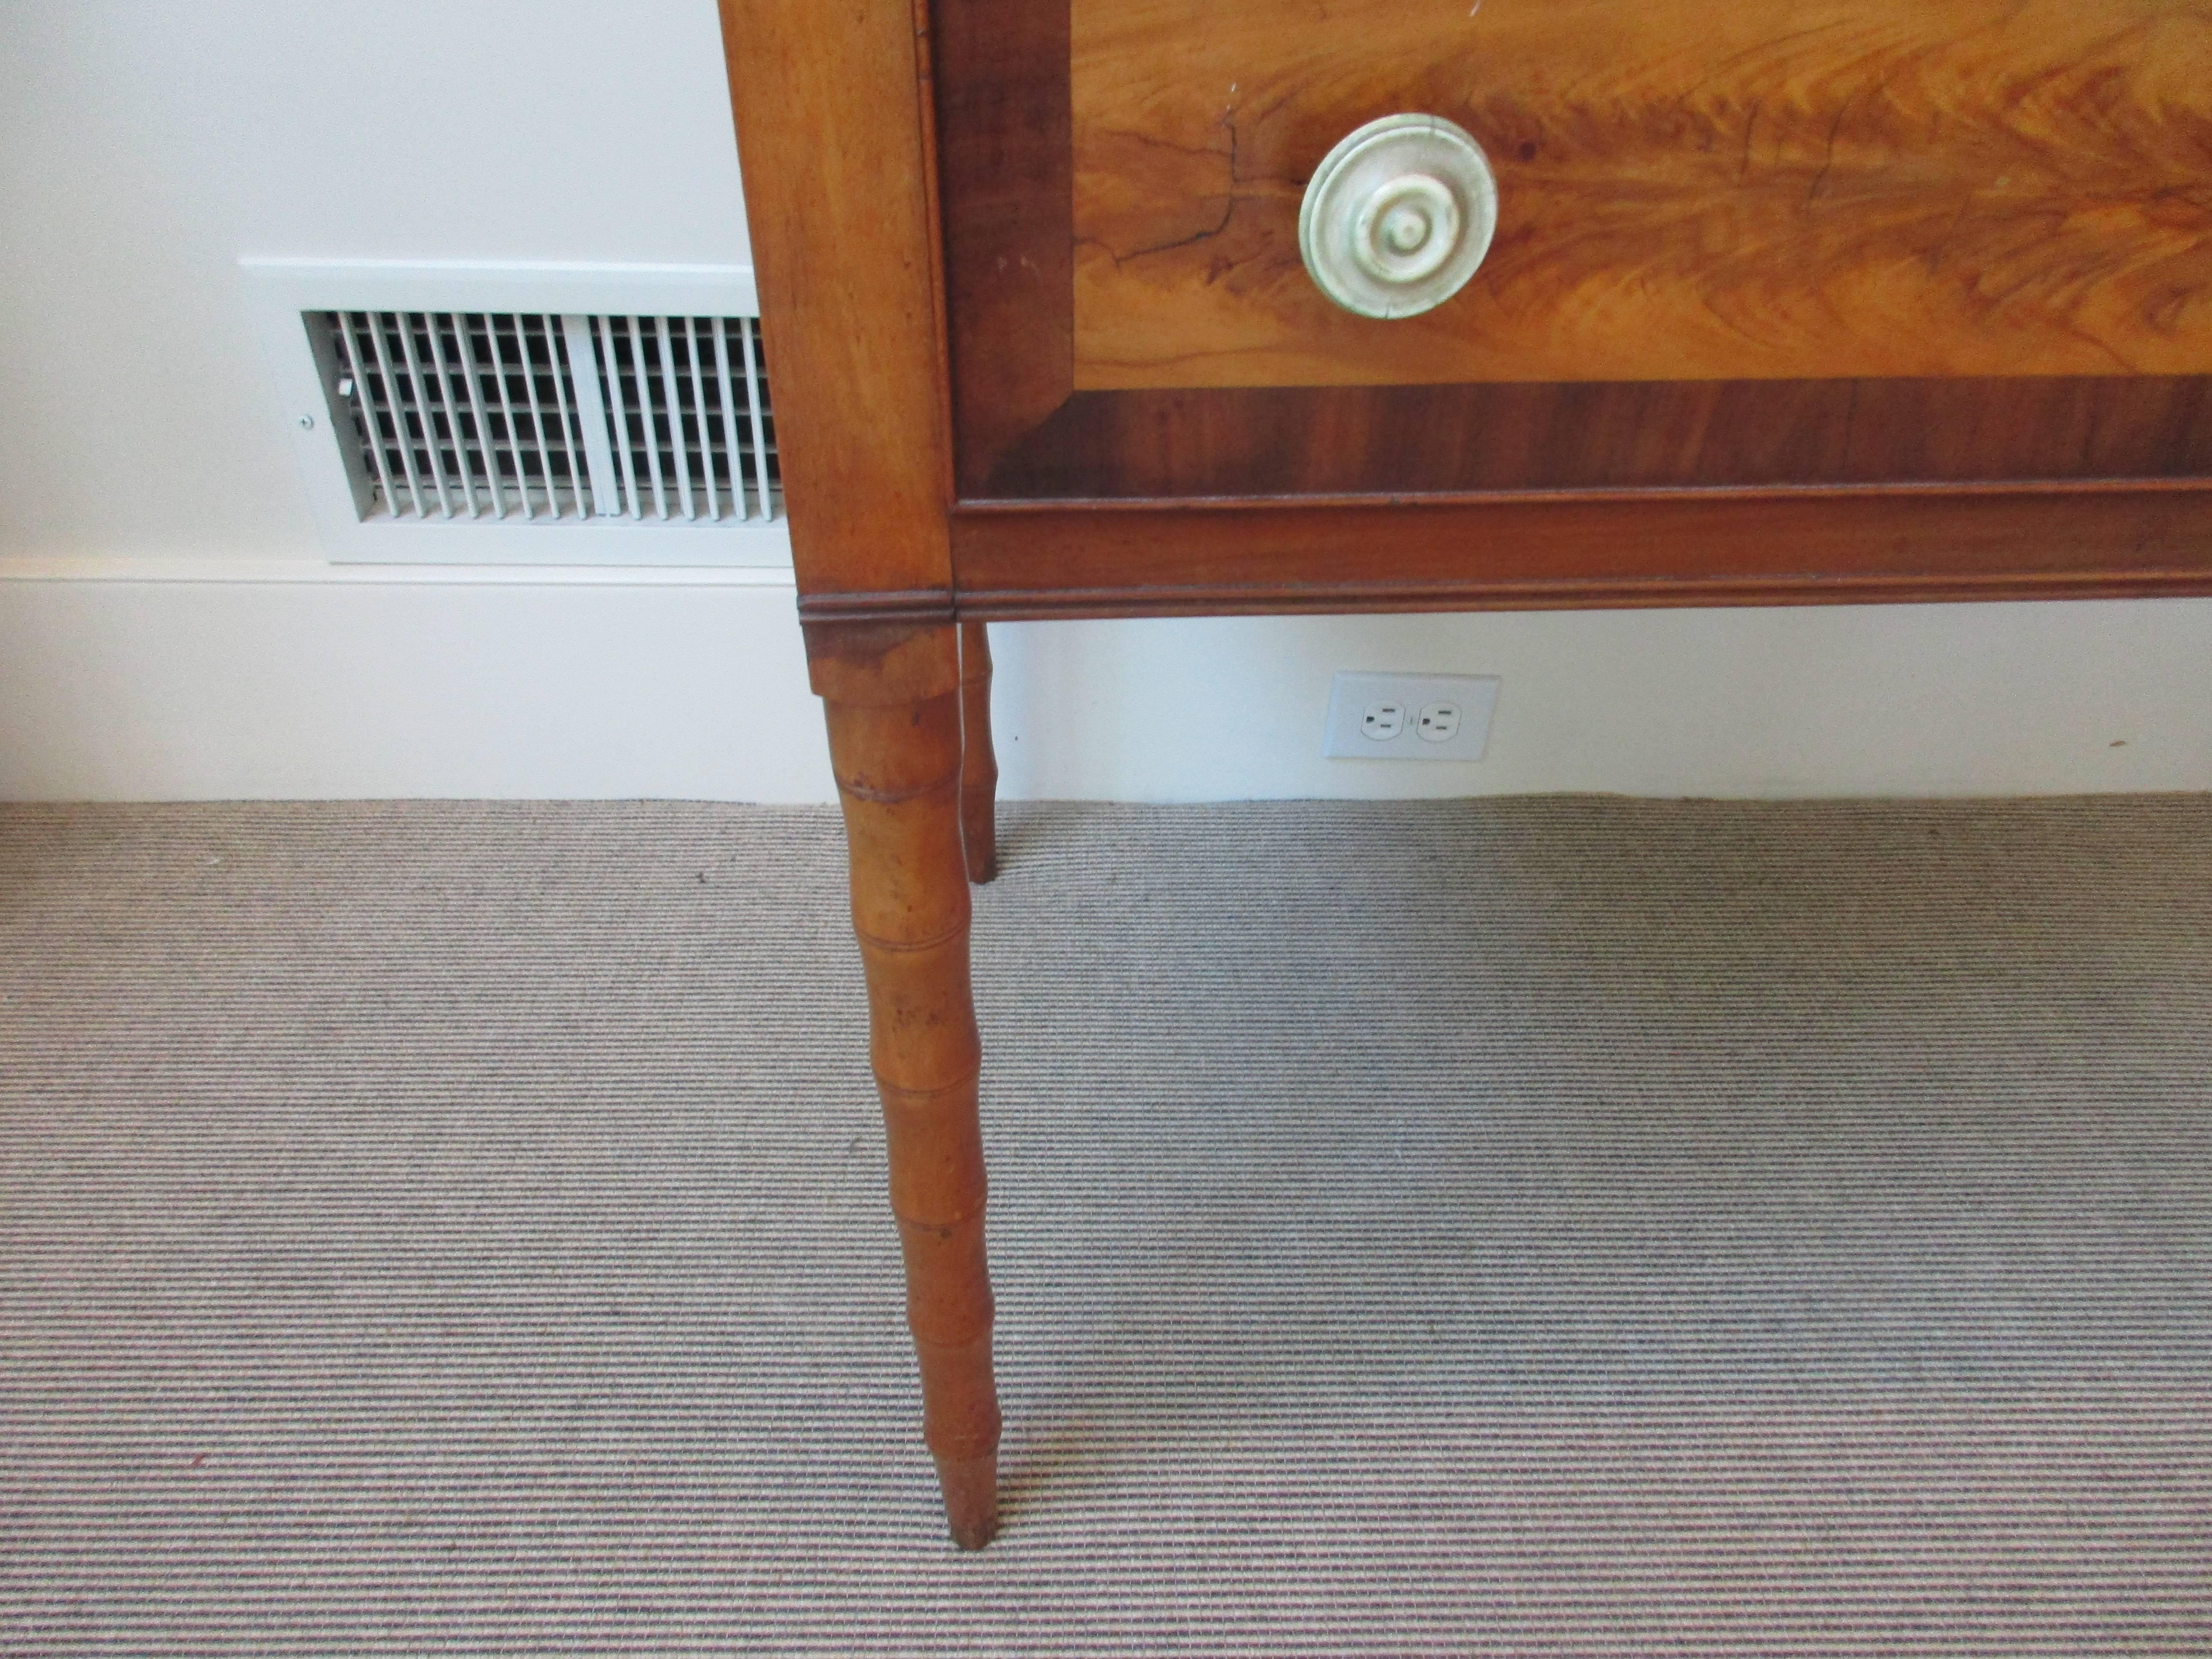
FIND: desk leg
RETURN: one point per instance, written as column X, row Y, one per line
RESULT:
column 979, row 764
column 892, row 694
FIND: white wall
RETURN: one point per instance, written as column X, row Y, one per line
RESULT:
column 1862, row 700
column 148, row 144
column 168, row 627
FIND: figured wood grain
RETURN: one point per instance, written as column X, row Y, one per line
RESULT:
column 1774, row 189
column 831, row 106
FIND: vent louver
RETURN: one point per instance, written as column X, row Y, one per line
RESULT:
column 531, row 418
column 457, row 413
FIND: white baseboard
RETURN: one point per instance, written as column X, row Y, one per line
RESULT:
column 153, row 679
column 246, row 680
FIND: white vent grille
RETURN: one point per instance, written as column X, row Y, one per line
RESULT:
column 542, row 417
column 457, row 413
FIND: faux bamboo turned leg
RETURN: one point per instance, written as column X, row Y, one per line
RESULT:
column 895, row 741
column 979, row 764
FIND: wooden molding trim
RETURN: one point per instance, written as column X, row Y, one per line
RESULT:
column 1682, row 549
column 926, row 605
column 1069, row 605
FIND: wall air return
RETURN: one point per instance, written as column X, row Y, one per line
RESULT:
column 527, row 415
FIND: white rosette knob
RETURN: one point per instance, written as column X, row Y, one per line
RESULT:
column 1397, row 215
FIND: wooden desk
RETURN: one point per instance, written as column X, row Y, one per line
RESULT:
column 1787, row 301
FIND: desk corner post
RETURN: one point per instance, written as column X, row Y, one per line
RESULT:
column 892, row 694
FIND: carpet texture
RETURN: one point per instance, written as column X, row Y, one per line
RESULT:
column 1559, row 1226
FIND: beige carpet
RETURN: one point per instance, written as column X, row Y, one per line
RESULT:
column 1559, row 1226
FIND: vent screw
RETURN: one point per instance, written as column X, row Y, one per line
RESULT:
column 307, row 423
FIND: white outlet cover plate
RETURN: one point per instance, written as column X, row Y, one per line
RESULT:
column 1352, row 696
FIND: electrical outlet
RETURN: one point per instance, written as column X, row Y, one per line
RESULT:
column 1382, row 721
column 1439, row 722
column 1410, row 716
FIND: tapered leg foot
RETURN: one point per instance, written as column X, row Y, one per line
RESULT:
column 979, row 762
column 971, row 1500
column 892, row 694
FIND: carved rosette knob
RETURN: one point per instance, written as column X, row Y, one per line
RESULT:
column 1397, row 215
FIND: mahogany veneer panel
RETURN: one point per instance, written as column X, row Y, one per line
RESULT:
column 1407, row 439
column 1768, row 189
column 1001, row 109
